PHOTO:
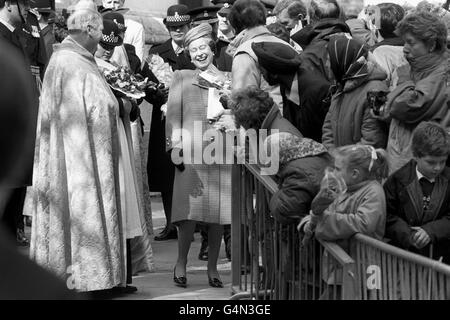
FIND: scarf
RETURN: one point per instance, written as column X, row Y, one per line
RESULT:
column 244, row 36
column 348, row 59
column 426, row 80
column 292, row 147
column 423, row 66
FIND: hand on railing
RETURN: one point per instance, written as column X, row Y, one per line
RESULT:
column 308, row 231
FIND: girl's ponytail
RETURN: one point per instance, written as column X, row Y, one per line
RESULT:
column 380, row 167
column 373, row 162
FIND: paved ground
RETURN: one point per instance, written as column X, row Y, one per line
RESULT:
column 158, row 285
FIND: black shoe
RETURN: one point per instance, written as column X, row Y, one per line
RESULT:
column 125, row 290
column 179, row 281
column 167, row 235
column 215, row 282
column 21, row 239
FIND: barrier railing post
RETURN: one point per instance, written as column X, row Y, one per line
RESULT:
column 349, row 282
column 236, row 180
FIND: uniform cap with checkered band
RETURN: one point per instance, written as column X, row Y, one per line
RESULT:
column 177, row 16
column 117, row 18
column 110, row 34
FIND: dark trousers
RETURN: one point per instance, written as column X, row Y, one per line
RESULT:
column 129, row 266
column 167, row 196
column 12, row 216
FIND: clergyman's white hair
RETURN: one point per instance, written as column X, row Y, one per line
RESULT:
column 84, row 13
column 79, row 20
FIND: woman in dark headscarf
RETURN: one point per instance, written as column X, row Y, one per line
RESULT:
column 349, row 120
column 422, row 86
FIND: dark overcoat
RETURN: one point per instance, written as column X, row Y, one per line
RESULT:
column 165, row 51
column 27, row 101
column 159, row 167
column 404, row 209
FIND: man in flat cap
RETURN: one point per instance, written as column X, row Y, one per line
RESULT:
column 161, row 171
column 13, row 13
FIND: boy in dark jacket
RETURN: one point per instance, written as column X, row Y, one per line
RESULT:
column 418, row 196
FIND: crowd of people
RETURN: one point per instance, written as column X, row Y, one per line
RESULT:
column 354, row 97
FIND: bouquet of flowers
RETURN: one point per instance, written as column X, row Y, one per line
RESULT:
column 162, row 70
column 220, row 81
column 132, row 85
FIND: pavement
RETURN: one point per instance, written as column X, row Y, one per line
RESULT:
column 158, row 285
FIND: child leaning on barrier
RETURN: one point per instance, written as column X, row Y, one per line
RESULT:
column 351, row 201
column 418, row 196
column 302, row 163
column 355, row 205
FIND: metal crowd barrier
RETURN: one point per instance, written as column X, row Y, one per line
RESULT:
column 385, row 272
column 269, row 263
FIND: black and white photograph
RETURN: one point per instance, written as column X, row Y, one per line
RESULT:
column 224, row 155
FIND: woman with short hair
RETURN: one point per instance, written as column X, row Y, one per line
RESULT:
column 422, row 90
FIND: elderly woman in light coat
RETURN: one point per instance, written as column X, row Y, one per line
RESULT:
column 202, row 191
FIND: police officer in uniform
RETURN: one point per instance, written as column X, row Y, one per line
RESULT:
column 161, row 171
